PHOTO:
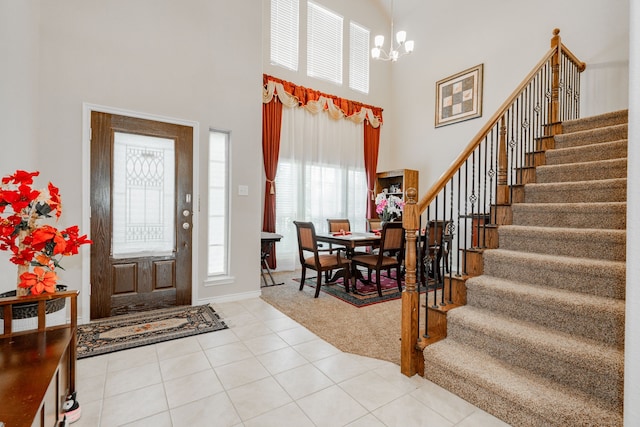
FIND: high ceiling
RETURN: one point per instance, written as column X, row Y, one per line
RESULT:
column 401, row 8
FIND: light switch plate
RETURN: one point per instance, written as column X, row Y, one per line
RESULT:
column 243, row 190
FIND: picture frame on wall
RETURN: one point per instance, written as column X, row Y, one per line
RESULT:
column 459, row 97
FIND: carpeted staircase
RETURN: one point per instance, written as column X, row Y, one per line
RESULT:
column 540, row 341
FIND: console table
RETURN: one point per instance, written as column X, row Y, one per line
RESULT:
column 37, row 367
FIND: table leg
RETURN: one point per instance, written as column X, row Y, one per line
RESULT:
column 265, row 267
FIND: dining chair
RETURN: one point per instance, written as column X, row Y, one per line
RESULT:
column 312, row 257
column 392, row 241
column 374, row 224
column 435, row 250
column 336, row 225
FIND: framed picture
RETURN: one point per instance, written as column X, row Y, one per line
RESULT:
column 459, row 97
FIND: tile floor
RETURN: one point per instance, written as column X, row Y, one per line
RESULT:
column 265, row 370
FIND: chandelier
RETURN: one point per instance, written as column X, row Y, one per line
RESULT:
column 403, row 46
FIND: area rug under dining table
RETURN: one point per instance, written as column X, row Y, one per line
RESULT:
column 139, row 329
column 366, row 293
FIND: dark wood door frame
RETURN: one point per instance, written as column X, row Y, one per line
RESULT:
column 183, row 295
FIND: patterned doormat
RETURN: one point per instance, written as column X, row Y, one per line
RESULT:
column 139, row 329
column 366, row 293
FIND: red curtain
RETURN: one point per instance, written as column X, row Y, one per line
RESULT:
column 271, row 126
column 371, row 145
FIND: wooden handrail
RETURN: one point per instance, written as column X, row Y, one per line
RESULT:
column 579, row 64
column 501, row 181
column 464, row 155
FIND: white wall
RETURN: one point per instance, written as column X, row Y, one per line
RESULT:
column 196, row 60
column 509, row 38
column 18, row 99
column 632, row 319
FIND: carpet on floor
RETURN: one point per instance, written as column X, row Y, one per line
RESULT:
column 366, row 293
column 139, row 329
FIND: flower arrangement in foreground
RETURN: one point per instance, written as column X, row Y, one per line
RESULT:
column 388, row 206
column 32, row 244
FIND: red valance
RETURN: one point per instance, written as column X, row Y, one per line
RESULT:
column 305, row 95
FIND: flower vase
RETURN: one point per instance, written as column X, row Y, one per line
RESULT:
column 21, row 291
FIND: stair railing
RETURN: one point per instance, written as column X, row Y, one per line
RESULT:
column 476, row 191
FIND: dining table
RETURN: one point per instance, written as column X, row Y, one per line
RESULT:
column 350, row 241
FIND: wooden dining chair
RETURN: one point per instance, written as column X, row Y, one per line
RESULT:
column 313, row 258
column 336, row 225
column 374, row 224
column 435, row 250
column 392, row 241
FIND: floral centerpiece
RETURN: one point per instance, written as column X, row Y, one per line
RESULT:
column 388, row 206
column 31, row 243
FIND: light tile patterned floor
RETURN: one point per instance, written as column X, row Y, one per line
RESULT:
column 265, row 370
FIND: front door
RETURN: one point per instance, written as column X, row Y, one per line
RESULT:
column 141, row 212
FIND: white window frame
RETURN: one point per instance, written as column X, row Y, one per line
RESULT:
column 215, row 186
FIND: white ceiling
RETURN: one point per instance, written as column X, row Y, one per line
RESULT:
column 401, row 8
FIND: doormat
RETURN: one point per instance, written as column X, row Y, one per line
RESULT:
column 366, row 293
column 139, row 329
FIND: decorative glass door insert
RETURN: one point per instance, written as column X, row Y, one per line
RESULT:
column 143, row 196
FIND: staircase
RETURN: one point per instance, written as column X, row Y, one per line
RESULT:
column 540, row 341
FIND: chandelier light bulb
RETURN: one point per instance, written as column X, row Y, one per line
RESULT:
column 398, row 47
column 408, row 46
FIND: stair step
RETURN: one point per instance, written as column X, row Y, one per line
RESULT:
column 589, row 276
column 586, row 365
column 601, row 120
column 583, row 171
column 576, row 242
column 587, row 153
column 610, row 215
column 605, row 190
column 592, row 136
column 516, row 396
column 583, row 315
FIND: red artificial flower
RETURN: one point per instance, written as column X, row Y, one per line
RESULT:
column 28, row 242
column 41, row 236
column 45, row 261
column 21, row 198
column 74, row 241
column 20, row 177
column 39, row 281
column 55, row 202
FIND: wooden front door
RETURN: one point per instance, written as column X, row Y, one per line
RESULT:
column 141, row 212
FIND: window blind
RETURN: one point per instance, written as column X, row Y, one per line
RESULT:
column 284, row 33
column 358, row 57
column 324, row 43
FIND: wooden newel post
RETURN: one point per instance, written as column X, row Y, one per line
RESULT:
column 554, row 107
column 410, row 296
column 503, row 189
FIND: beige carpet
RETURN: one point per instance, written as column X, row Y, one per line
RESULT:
column 541, row 339
column 372, row 331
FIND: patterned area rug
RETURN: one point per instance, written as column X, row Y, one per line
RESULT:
column 366, row 294
column 135, row 330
